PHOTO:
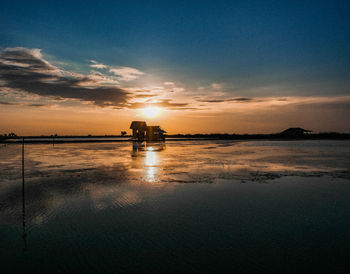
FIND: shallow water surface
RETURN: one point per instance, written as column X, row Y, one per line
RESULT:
column 179, row 206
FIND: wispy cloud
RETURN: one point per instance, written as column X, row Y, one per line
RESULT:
column 97, row 65
column 123, row 73
column 21, row 104
column 166, row 103
column 7, row 103
column 216, row 86
column 144, row 95
column 240, row 99
column 126, row 73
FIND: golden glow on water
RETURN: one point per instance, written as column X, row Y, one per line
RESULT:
column 123, row 174
column 151, row 162
column 128, row 194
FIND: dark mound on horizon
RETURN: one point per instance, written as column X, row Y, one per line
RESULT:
column 288, row 134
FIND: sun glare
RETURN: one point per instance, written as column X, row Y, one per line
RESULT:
column 150, row 112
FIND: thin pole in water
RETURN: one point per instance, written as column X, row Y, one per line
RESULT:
column 23, row 162
column 24, row 235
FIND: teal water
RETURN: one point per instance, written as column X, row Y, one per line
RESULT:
column 191, row 206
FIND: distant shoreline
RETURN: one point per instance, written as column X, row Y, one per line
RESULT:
column 176, row 137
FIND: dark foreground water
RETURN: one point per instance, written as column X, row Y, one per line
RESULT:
column 196, row 206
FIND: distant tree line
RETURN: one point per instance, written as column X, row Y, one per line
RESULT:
column 290, row 134
column 276, row 136
column 8, row 135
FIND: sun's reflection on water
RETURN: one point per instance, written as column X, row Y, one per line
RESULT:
column 151, row 161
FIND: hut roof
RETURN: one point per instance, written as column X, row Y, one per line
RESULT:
column 138, row 125
column 155, row 129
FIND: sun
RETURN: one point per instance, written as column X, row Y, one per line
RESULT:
column 151, row 112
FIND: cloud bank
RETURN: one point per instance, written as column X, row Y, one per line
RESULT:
column 26, row 70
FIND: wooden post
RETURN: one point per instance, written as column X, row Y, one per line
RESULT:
column 23, row 161
column 24, row 234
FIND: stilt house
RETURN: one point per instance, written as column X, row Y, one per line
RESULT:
column 141, row 132
column 138, row 130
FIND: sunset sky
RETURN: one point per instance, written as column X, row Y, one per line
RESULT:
column 91, row 67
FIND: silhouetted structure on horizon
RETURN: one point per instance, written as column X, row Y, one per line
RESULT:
column 141, row 132
column 295, row 131
column 138, row 130
column 155, row 133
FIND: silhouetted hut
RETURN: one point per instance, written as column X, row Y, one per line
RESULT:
column 155, row 133
column 138, row 130
column 141, row 132
column 295, row 131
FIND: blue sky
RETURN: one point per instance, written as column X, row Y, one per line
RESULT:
column 205, row 41
column 244, row 48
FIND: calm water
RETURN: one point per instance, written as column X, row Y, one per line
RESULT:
column 191, row 206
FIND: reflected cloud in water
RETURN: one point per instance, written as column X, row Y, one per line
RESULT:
column 103, row 176
column 99, row 202
column 122, row 175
